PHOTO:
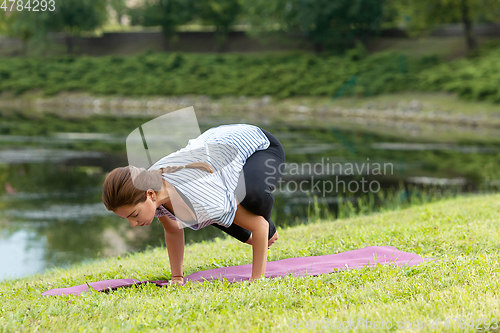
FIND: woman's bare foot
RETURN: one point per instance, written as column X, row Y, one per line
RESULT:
column 272, row 240
column 269, row 242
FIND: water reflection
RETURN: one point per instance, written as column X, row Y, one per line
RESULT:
column 58, row 138
column 74, row 212
column 21, row 254
column 433, row 146
column 51, row 181
column 43, row 155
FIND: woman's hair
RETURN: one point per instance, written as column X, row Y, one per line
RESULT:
column 127, row 186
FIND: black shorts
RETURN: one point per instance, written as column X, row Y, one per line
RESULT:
column 262, row 172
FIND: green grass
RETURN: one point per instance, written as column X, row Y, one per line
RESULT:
column 448, row 103
column 462, row 232
column 444, row 103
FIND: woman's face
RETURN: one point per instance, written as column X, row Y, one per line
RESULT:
column 141, row 214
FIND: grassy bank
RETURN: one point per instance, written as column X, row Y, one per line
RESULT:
column 409, row 108
column 463, row 232
column 280, row 75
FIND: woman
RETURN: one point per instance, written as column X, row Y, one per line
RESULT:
column 206, row 191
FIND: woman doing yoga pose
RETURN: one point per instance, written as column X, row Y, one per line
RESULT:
column 227, row 186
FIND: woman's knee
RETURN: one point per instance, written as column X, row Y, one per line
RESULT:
column 258, row 201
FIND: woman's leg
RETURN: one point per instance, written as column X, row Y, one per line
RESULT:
column 259, row 199
column 262, row 172
column 235, row 231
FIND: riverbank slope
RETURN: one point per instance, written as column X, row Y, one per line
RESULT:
column 463, row 232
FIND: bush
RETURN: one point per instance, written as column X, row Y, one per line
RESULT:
column 281, row 76
column 474, row 79
column 216, row 75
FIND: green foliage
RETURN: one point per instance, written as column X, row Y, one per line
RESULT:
column 420, row 16
column 284, row 75
column 70, row 16
column 3, row 24
column 337, row 24
column 358, row 52
column 73, row 17
column 220, row 13
column 120, row 7
column 166, row 14
column 25, row 24
column 329, row 24
column 171, row 14
column 279, row 75
column 265, row 16
column 472, row 79
column 76, row 16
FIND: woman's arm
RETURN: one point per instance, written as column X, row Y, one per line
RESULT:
column 174, row 238
column 260, row 230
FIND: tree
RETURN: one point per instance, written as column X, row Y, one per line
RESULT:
column 3, row 24
column 423, row 15
column 24, row 25
column 168, row 14
column 120, row 8
column 220, row 13
column 73, row 17
column 329, row 24
column 339, row 23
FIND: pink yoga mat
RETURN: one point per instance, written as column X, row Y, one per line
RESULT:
column 313, row 266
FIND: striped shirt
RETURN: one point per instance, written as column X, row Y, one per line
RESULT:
column 211, row 196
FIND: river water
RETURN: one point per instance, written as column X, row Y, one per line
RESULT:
column 52, row 170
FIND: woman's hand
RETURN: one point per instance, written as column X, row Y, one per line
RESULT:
column 174, row 238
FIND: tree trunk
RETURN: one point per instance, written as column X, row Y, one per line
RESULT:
column 119, row 17
column 469, row 36
column 165, row 42
column 169, row 38
column 69, row 44
column 366, row 39
column 25, row 47
column 220, row 38
column 318, row 47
